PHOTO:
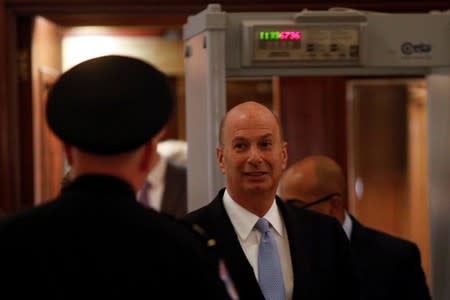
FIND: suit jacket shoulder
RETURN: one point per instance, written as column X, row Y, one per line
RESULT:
column 388, row 267
column 384, row 242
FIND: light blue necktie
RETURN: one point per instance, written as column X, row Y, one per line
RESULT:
column 269, row 267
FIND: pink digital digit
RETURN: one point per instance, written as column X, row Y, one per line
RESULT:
column 290, row 35
column 296, row 35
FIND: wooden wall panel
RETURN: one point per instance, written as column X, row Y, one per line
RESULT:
column 378, row 135
column 25, row 113
column 5, row 122
column 313, row 116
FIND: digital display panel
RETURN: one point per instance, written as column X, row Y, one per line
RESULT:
column 280, row 35
column 268, row 43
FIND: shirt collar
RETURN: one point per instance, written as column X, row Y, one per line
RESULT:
column 347, row 225
column 244, row 221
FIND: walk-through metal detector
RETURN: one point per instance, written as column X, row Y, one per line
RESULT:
column 332, row 42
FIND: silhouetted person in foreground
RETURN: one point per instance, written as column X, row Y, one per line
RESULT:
column 95, row 240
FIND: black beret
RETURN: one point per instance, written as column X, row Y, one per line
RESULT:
column 109, row 105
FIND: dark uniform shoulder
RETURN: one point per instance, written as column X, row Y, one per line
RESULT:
column 201, row 234
column 211, row 245
column 197, row 233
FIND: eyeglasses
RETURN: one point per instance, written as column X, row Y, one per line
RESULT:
column 304, row 204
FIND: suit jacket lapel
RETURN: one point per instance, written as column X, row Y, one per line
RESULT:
column 301, row 252
column 235, row 259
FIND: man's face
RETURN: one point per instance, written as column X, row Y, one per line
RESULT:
column 252, row 155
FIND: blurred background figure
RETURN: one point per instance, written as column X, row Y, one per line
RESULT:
column 388, row 267
column 165, row 187
column 174, row 150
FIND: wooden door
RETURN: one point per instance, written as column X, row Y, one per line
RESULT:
column 387, row 158
column 313, row 116
column 47, row 149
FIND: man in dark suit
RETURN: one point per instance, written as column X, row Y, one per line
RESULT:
column 312, row 249
column 167, row 190
column 94, row 240
column 388, row 267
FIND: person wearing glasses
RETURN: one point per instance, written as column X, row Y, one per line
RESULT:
column 387, row 267
column 309, row 253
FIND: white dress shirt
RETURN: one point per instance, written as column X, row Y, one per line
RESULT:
column 347, row 225
column 244, row 222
